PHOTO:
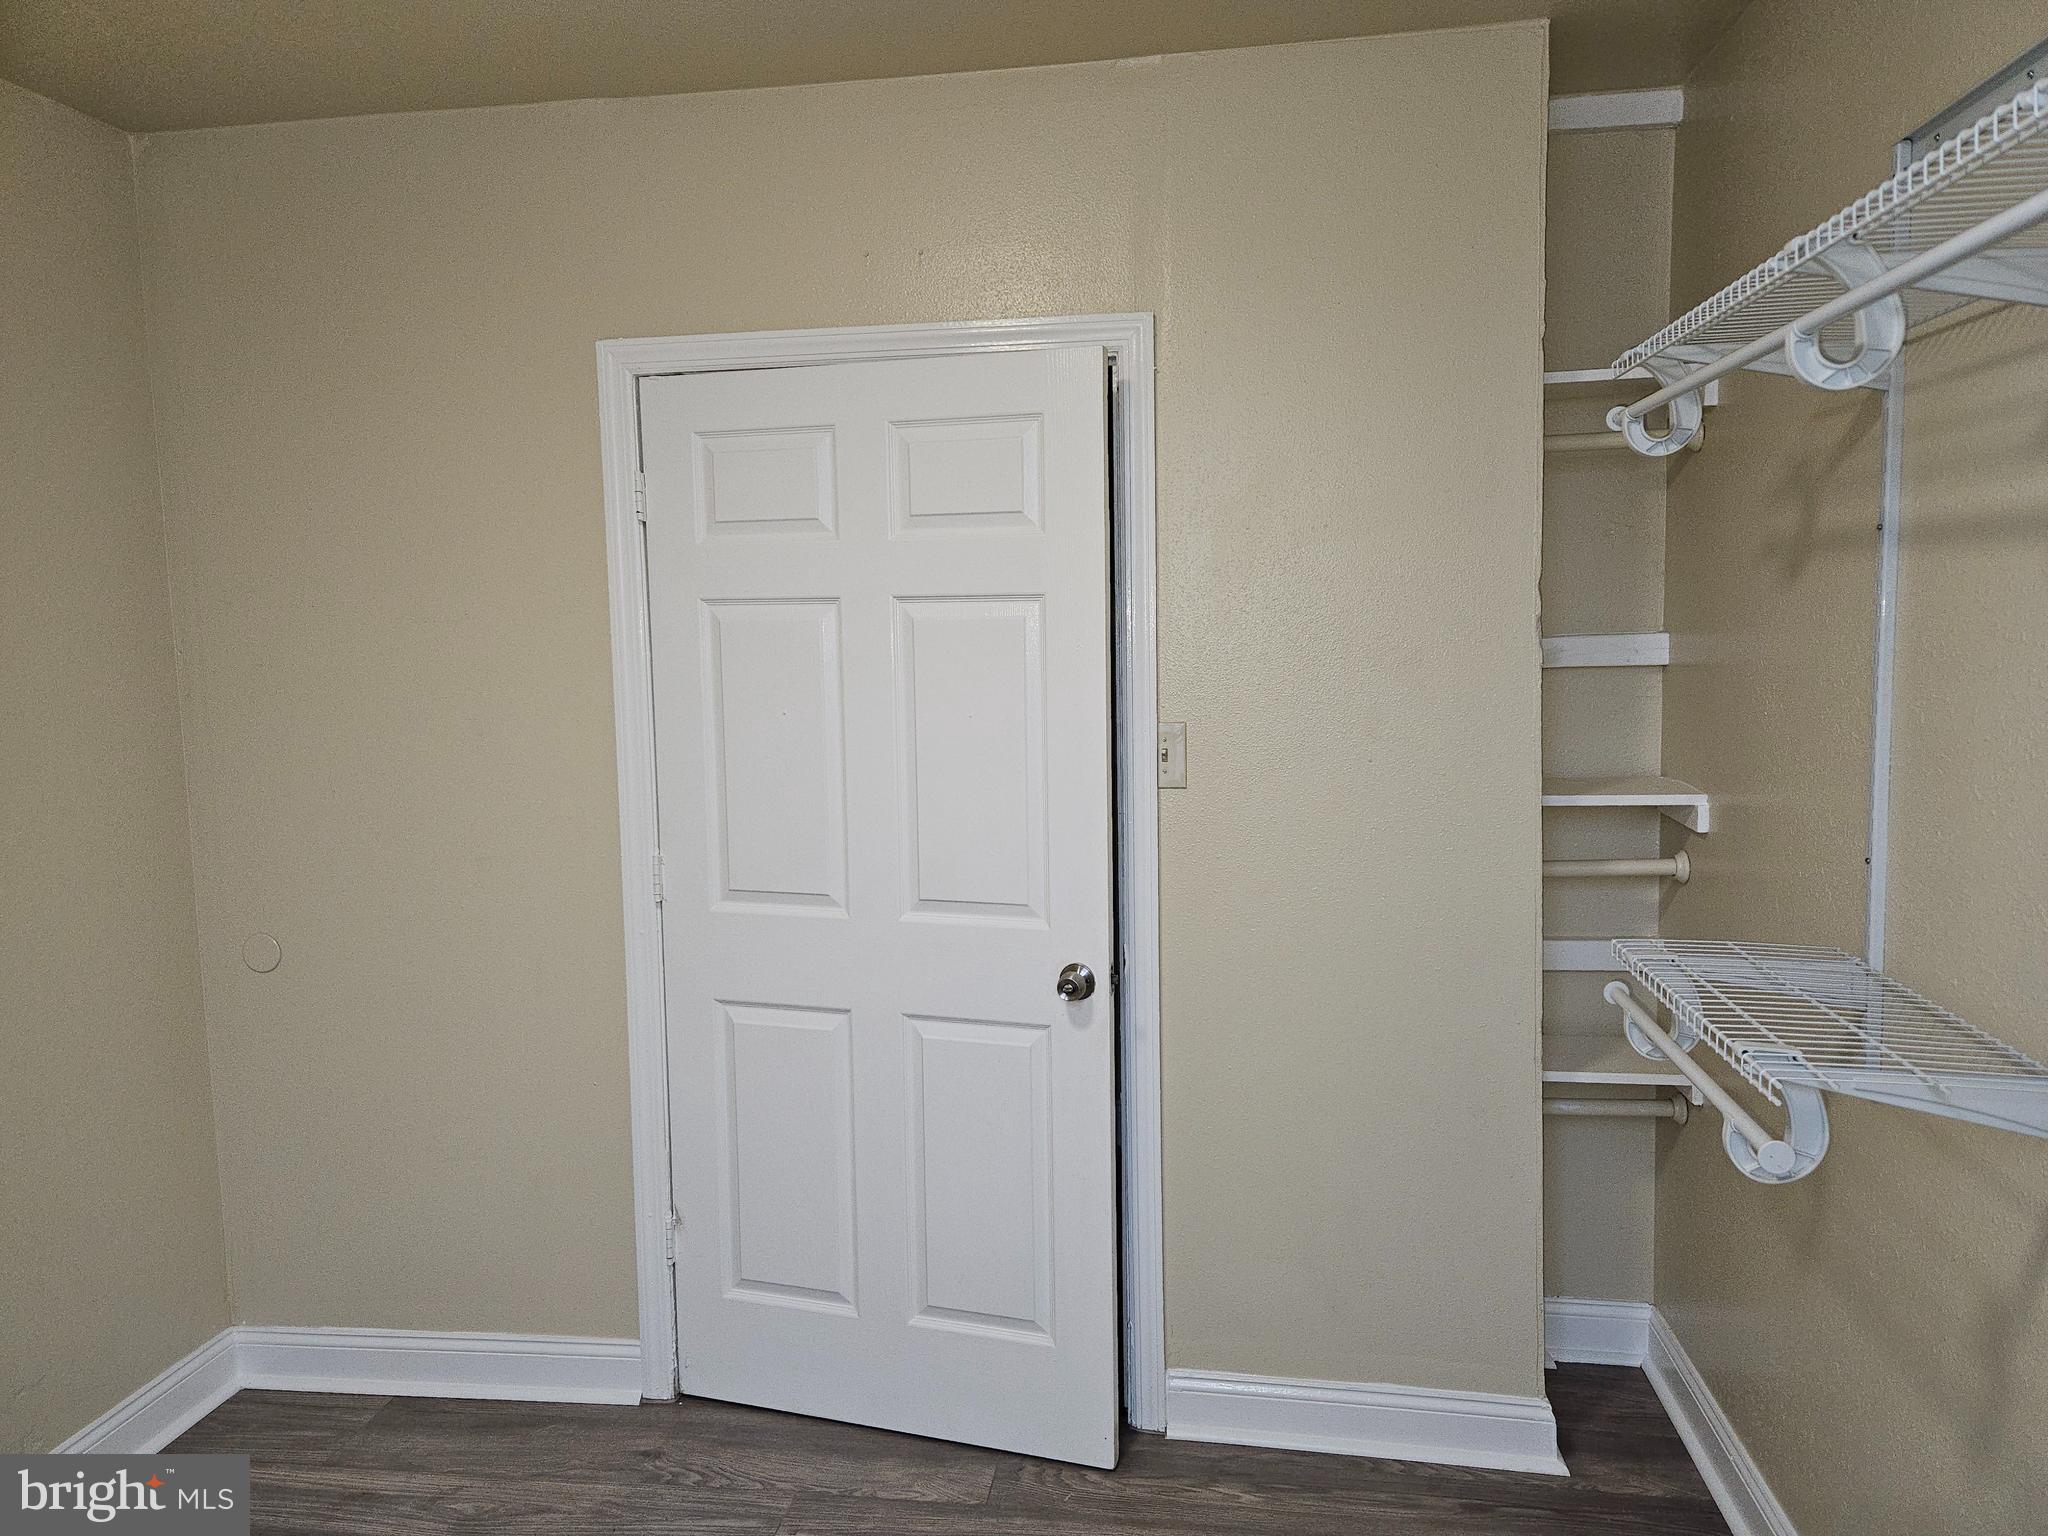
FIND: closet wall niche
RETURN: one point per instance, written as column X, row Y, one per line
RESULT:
column 1608, row 264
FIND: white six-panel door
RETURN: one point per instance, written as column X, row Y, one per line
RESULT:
column 879, row 600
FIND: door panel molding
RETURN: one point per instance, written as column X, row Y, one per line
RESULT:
column 1128, row 341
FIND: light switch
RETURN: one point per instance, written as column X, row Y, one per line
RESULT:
column 1173, row 756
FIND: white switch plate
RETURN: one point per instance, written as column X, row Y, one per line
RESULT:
column 1173, row 756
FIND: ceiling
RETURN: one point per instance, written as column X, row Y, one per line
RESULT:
column 153, row 65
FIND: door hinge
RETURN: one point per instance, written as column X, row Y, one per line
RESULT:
column 660, row 892
column 675, row 1223
column 640, row 496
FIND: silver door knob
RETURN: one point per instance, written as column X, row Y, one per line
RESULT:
column 1076, row 982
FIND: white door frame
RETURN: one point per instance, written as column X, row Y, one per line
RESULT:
column 1134, row 538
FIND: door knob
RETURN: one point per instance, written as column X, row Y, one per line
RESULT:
column 1076, row 982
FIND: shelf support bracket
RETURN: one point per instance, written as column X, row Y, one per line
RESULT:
column 1687, row 411
column 1759, row 1155
column 1880, row 325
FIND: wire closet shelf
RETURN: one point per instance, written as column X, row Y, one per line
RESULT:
column 1795, row 1020
column 1963, row 223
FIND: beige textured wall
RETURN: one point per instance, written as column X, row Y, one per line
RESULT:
column 1607, row 284
column 373, row 362
column 1348, row 601
column 1878, row 1332
column 110, row 1264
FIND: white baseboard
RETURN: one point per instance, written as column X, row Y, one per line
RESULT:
column 160, row 1410
column 1470, row 1429
column 524, row 1367
column 1731, row 1474
column 1581, row 1331
column 387, row 1362
column 1463, row 1429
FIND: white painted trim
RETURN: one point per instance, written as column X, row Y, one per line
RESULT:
column 633, row 727
column 163, row 1408
column 1731, row 1473
column 1606, row 379
column 1664, row 108
column 1405, row 1423
column 1584, row 1331
column 1645, row 650
column 382, row 1361
column 1555, row 378
column 1590, row 1332
column 1141, row 1214
column 1129, row 341
column 1684, row 803
column 392, row 1362
column 1460, row 1429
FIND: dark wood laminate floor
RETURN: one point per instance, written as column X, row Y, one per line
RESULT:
column 374, row 1466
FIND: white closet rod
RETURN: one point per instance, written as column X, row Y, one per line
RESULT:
column 1659, row 1108
column 1774, row 1156
column 1956, row 248
column 1678, row 867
